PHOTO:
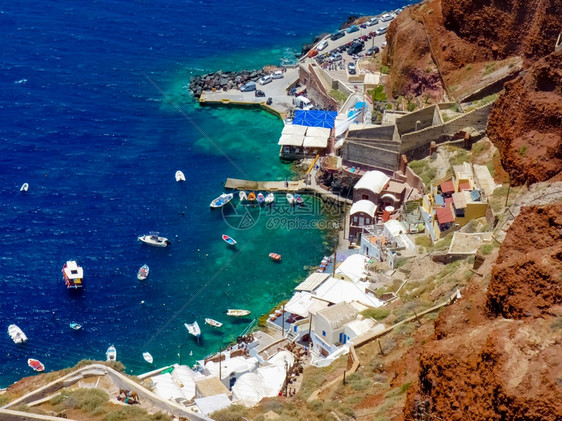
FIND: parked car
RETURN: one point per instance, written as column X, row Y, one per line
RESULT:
column 351, row 68
column 259, row 93
column 355, row 48
column 322, row 45
column 387, row 17
column 278, row 74
column 250, row 86
column 381, row 30
column 372, row 21
column 352, row 28
column 372, row 50
column 265, row 80
column 337, row 35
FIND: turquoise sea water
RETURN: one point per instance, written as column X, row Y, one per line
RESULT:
column 89, row 98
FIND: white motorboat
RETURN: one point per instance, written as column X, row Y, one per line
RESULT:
column 242, row 196
column 180, row 176
column 16, row 334
column 155, row 240
column 237, row 312
column 24, row 187
column 111, row 353
column 270, row 198
column 213, row 323
column 193, row 329
column 291, row 199
column 143, row 273
column 147, row 357
column 222, row 200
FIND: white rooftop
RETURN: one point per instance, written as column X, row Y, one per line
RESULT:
column 210, row 404
column 291, row 140
column 338, row 315
column 231, row 365
column 315, row 141
column 365, row 206
column 303, row 303
column 294, row 129
column 353, row 267
column 73, row 271
column 358, row 327
column 339, row 290
column 318, row 131
column 372, row 180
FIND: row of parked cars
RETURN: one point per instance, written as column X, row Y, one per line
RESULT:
column 264, row 80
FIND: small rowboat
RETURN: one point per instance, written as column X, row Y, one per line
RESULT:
column 111, row 353
column 252, row 196
column 242, row 196
column 275, row 256
column 35, row 364
column 237, row 312
column 147, row 357
column 75, row 326
column 193, row 329
column 291, row 199
column 261, row 198
column 213, row 323
column 270, row 198
column 299, row 199
column 16, row 334
column 229, row 240
column 24, row 187
column 143, row 273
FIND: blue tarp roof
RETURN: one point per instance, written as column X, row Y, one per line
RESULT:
column 315, row 118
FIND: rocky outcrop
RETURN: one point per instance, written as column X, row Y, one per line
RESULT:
column 496, row 355
column 526, row 123
column 526, row 278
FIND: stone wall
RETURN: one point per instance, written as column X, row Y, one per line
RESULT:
column 370, row 156
column 316, row 89
column 408, row 123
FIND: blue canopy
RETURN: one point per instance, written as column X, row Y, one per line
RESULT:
column 315, row 118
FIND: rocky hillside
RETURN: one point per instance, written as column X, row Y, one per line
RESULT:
column 526, row 123
column 496, row 355
column 457, row 35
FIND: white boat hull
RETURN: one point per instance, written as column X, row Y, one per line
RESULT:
column 237, row 312
column 16, row 334
column 193, row 329
column 111, row 353
column 180, row 176
column 147, row 357
column 213, row 323
column 154, row 240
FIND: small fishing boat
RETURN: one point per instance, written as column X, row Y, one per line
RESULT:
column 229, row 240
column 143, row 273
column 261, row 198
column 75, row 326
column 237, row 312
column 180, row 176
column 111, row 353
column 222, row 200
column 16, row 334
column 242, row 196
column 193, row 329
column 275, row 256
column 72, row 274
column 154, row 240
column 252, row 197
column 291, row 199
column 213, row 323
column 147, row 357
column 35, row 364
column 270, row 198
column 299, row 199
column 24, row 187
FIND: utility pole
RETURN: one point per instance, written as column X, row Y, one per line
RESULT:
column 179, row 353
column 334, row 264
column 283, row 320
column 220, row 363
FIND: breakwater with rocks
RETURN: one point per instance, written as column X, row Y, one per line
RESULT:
column 222, row 80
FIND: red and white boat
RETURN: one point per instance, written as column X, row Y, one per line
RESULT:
column 35, row 364
column 143, row 273
column 275, row 256
column 229, row 240
column 73, row 274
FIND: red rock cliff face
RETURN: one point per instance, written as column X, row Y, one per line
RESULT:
column 483, row 366
column 526, row 123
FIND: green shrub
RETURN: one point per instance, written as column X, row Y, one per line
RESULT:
column 338, row 96
column 423, row 240
column 487, row 249
column 89, row 400
column 376, row 313
column 405, row 387
column 522, row 150
column 385, row 70
column 411, row 106
column 232, row 413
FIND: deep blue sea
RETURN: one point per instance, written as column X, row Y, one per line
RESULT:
column 96, row 118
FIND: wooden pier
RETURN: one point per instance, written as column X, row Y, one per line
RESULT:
column 290, row 187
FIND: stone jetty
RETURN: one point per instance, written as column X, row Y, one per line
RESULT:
column 223, row 81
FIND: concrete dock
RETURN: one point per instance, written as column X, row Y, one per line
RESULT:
column 299, row 186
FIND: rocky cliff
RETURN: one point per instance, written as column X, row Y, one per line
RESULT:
column 496, row 355
column 526, row 123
